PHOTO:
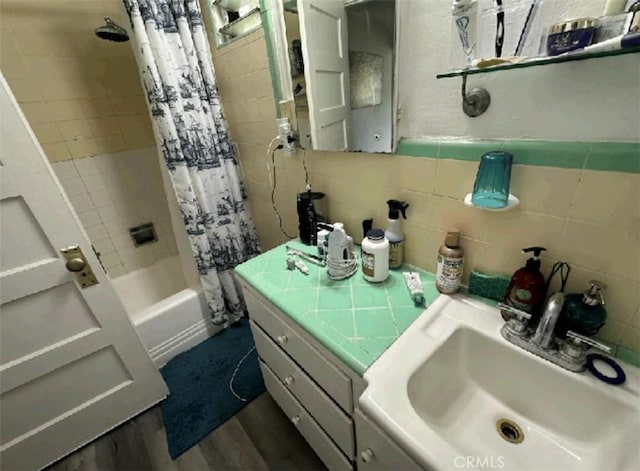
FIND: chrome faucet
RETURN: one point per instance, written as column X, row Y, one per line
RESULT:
column 569, row 354
column 544, row 335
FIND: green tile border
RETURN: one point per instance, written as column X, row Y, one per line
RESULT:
column 603, row 156
column 614, row 157
column 627, row 355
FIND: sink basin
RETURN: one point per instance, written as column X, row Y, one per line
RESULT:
column 452, row 388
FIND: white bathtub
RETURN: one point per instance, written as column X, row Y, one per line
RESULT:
column 169, row 316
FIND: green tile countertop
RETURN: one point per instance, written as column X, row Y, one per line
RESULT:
column 354, row 319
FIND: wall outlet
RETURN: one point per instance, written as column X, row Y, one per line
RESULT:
column 286, row 136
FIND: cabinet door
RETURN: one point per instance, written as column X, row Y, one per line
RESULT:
column 376, row 451
column 323, row 29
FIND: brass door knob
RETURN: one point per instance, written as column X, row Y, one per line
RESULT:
column 76, row 264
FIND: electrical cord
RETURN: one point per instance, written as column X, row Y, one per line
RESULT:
column 271, row 171
column 306, row 171
column 343, row 268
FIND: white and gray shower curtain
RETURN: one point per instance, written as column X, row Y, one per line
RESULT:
column 177, row 73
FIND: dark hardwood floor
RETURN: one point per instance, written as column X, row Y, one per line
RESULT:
column 259, row 437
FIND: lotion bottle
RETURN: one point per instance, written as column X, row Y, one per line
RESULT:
column 394, row 232
column 450, row 264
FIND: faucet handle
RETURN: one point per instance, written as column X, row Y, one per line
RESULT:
column 519, row 314
column 517, row 325
column 578, row 340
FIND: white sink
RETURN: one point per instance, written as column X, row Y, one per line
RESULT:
column 441, row 389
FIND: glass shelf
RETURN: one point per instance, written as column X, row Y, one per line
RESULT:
column 540, row 61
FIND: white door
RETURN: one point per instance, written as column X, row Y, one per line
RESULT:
column 71, row 364
column 325, row 49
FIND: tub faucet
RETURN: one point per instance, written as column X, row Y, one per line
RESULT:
column 544, row 334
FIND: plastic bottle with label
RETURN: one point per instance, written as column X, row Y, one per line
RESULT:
column 375, row 256
column 450, row 264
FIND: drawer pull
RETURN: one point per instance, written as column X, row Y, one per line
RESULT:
column 282, row 339
column 288, row 380
column 295, row 420
column 367, row 455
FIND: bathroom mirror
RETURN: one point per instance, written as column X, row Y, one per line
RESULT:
column 336, row 64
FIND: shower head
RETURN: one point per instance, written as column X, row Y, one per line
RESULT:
column 112, row 31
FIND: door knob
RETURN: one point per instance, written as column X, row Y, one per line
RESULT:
column 75, row 264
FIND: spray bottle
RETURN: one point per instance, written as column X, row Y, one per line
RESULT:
column 394, row 232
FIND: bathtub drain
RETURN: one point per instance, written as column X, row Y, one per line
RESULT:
column 509, row 431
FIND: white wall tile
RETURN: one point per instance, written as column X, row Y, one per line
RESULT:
column 110, row 260
column 73, row 186
column 104, row 246
column 116, row 271
column 102, row 190
column 101, row 198
column 86, row 166
column 116, row 228
column 109, row 213
column 65, row 170
column 89, row 218
column 97, row 233
column 105, row 163
column 93, row 182
column 81, row 203
column 122, row 242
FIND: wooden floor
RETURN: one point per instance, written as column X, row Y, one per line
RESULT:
column 259, row 437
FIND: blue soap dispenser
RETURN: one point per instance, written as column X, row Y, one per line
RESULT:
column 584, row 313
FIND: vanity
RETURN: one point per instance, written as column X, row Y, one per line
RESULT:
column 373, row 382
column 315, row 338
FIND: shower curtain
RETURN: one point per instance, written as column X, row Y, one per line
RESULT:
column 177, row 73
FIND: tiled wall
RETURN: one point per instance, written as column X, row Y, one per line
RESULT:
column 114, row 192
column 81, row 95
column 588, row 218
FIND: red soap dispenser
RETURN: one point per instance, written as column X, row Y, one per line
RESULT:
column 528, row 286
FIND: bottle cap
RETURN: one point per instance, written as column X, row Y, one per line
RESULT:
column 375, row 234
column 452, row 239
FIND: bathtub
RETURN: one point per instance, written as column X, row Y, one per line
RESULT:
column 169, row 316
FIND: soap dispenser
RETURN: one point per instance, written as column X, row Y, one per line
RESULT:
column 584, row 313
column 528, row 286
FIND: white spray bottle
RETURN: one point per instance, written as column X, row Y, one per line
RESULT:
column 394, row 233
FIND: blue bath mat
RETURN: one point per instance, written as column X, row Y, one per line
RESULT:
column 199, row 379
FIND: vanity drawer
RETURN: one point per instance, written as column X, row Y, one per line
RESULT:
column 331, row 418
column 376, row 451
column 330, row 378
column 310, row 430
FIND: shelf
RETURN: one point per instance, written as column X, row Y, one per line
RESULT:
column 512, row 203
column 540, row 61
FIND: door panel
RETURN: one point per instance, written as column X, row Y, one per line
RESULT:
column 323, row 30
column 62, row 303
column 71, row 364
column 24, row 231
